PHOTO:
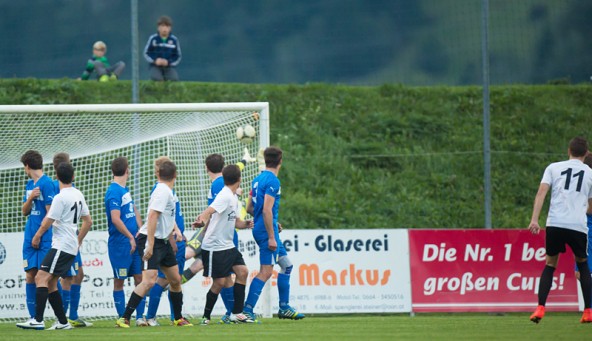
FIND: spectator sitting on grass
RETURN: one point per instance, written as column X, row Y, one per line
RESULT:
column 99, row 63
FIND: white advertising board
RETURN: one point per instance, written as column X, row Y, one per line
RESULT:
column 335, row 271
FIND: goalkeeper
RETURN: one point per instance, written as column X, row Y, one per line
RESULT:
column 99, row 63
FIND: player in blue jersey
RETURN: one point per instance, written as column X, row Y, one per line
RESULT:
column 39, row 193
column 72, row 281
column 123, row 220
column 265, row 202
column 162, row 282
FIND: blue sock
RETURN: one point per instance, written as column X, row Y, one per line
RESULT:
column 31, row 295
column 140, row 308
column 171, row 306
column 60, row 287
column 154, row 300
column 228, row 299
column 283, row 284
column 254, row 293
column 119, row 299
column 74, row 301
column 65, row 299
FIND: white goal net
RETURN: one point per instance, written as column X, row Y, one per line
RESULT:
column 94, row 135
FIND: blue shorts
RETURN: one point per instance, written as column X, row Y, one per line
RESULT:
column 75, row 266
column 32, row 257
column 268, row 257
column 180, row 259
column 124, row 265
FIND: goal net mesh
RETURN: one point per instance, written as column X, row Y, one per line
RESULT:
column 94, row 138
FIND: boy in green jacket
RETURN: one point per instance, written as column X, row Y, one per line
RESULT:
column 99, row 63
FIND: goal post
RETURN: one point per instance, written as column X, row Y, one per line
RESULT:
column 94, row 135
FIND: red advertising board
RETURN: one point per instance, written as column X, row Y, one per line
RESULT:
column 485, row 271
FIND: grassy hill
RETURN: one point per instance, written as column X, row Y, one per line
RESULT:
column 382, row 157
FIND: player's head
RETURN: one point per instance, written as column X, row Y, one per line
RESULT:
column 578, row 147
column 119, row 166
column 215, row 163
column 273, row 157
column 164, row 25
column 159, row 162
column 231, row 175
column 59, row 158
column 588, row 159
column 65, row 172
column 99, row 48
column 167, row 171
column 32, row 159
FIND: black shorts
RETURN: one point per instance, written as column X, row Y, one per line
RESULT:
column 57, row 262
column 162, row 253
column 218, row 264
column 557, row 237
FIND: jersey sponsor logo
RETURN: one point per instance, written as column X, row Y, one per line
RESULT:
column 126, row 199
column 231, row 216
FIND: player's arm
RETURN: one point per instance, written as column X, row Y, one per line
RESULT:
column 243, row 224
column 45, row 225
column 84, row 228
column 589, row 206
column 537, row 207
column 138, row 217
column 28, row 204
column 120, row 226
column 268, row 202
column 250, row 203
column 204, row 216
column 151, row 226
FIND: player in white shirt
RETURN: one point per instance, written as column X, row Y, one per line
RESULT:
column 219, row 254
column 154, row 244
column 571, row 195
column 67, row 210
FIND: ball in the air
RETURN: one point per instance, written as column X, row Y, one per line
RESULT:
column 245, row 133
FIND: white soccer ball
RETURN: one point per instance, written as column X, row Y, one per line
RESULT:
column 246, row 133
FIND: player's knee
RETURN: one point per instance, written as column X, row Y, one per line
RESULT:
column 265, row 273
column 285, row 265
column 42, row 279
column 241, row 273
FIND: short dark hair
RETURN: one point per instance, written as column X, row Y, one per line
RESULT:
column 215, row 163
column 33, row 159
column 59, row 158
column 167, row 170
column 65, row 172
column 119, row 166
column 164, row 20
column 273, row 157
column 231, row 174
column 588, row 159
column 578, row 146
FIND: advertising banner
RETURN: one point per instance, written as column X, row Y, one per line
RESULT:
column 335, row 271
column 485, row 270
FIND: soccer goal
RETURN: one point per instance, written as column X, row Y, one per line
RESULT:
column 94, row 135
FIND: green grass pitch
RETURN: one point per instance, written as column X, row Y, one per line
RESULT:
column 555, row 326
